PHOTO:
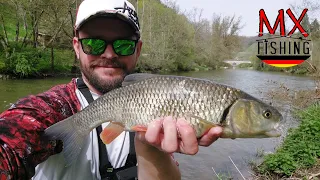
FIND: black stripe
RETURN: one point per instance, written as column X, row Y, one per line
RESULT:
column 103, row 154
column 284, row 57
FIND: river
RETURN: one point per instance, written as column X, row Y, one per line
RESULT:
column 219, row 155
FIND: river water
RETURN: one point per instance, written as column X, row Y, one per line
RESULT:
column 219, row 155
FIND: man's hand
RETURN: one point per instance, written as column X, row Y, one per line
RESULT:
column 164, row 134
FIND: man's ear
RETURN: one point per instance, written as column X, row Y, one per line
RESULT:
column 76, row 46
column 139, row 47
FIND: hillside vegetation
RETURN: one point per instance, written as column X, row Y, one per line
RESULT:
column 35, row 38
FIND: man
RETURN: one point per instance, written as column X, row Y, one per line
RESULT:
column 108, row 45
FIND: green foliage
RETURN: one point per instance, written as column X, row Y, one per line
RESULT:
column 306, row 23
column 315, row 26
column 245, row 65
column 257, row 64
column 167, row 38
column 24, row 62
column 21, row 62
column 301, row 147
column 280, row 163
column 171, row 40
column 63, row 60
column 8, row 14
column 2, row 66
column 18, row 58
column 299, row 69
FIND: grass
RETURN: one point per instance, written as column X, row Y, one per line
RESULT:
column 300, row 152
column 10, row 21
column 298, row 157
column 222, row 176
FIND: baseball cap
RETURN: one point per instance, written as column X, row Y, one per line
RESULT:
column 121, row 9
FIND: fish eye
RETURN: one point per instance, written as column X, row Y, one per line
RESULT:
column 267, row 114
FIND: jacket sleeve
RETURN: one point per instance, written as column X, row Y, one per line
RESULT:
column 22, row 147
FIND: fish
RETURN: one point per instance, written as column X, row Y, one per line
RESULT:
column 144, row 97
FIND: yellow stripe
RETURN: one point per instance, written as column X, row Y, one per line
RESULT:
column 283, row 65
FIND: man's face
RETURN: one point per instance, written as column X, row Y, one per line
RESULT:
column 106, row 71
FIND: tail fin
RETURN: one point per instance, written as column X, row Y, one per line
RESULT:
column 72, row 138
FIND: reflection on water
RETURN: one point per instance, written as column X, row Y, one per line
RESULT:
column 217, row 155
column 254, row 82
column 12, row 90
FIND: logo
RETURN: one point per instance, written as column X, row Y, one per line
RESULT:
column 281, row 49
column 128, row 11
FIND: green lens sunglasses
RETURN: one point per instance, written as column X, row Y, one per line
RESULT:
column 95, row 46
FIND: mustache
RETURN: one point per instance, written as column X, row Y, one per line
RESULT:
column 113, row 62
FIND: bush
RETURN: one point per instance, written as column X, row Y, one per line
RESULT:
column 245, row 65
column 301, row 147
column 22, row 62
column 25, row 62
column 2, row 66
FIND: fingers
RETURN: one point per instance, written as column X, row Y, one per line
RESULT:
column 170, row 142
column 141, row 136
column 189, row 143
column 166, row 141
column 163, row 134
column 212, row 135
column 152, row 135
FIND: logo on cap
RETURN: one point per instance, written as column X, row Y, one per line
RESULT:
column 132, row 15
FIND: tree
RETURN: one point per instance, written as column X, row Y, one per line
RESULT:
column 225, row 41
column 313, row 7
column 315, row 27
column 305, row 23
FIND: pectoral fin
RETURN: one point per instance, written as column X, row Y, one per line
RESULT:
column 110, row 132
column 139, row 128
column 204, row 126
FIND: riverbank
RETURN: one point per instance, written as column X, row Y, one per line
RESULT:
column 241, row 151
column 74, row 71
column 305, row 68
column 299, row 154
column 43, row 76
column 292, row 71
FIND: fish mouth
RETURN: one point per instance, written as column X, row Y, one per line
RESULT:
column 273, row 133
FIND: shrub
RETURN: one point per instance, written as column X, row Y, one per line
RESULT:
column 22, row 62
column 301, row 147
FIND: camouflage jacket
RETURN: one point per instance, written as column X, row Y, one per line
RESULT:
column 21, row 126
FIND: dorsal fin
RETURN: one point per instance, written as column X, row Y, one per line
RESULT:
column 133, row 78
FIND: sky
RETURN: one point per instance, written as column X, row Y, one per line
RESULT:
column 247, row 9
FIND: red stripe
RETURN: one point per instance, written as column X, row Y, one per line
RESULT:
column 283, row 61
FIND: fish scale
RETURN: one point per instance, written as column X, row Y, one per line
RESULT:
column 144, row 97
column 135, row 102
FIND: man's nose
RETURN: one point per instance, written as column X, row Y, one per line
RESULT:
column 109, row 52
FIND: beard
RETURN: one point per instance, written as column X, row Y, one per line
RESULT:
column 100, row 84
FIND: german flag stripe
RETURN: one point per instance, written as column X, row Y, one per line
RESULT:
column 282, row 57
column 283, row 61
column 283, row 65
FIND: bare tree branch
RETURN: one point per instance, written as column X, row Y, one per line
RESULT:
column 57, row 31
column 4, row 30
column 25, row 28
